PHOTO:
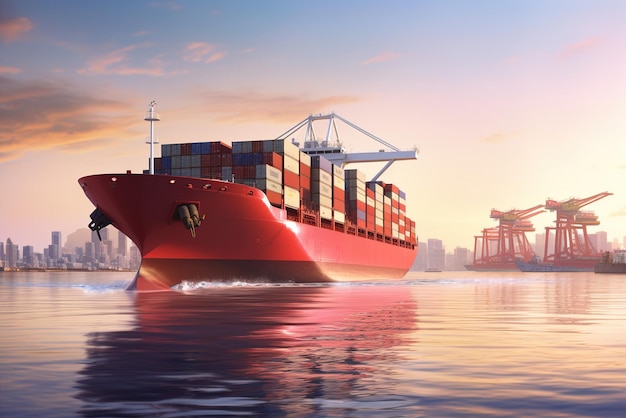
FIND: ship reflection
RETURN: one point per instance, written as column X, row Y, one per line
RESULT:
column 261, row 351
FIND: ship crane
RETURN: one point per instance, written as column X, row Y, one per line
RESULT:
column 571, row 241
column 498, row 247
column 331, row 147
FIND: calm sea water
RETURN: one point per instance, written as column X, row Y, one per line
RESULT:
column 434, row 344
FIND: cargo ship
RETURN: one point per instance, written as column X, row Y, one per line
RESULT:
column 612, row 263
column 267, row 210
column 572, row 266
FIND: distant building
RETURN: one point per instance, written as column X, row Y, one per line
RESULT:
column 28, row 255
column 12, row 254
column 122, row 244
column 460, row 258
column 56, row 239
column 602, row 242
column 421, row 260
column 436, row 254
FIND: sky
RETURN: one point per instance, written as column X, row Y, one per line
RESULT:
column 509, row 102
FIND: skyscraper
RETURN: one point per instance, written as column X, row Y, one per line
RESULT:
column 121, row 243
column 56, row 239
column 436, row 254
column 12, row 254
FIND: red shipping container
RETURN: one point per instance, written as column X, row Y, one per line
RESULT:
column 211, row 172
column 305, row 170
column 274, row 159
column 275, row 198
column 185, row 149
column 305, row 182
column 339, row 205
column 238, row 172
column 291, row 179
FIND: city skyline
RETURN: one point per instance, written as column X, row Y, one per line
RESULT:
column 509, row 103
column 445, row 258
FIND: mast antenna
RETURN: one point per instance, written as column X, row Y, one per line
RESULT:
column 151, row 116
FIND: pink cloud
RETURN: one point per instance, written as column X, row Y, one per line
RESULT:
column 10, row 70
column 387, row 56
column 580, row 47
column 114, row 62
column 253, row 106
column 11, row 30
column 202, row 52
column 496, row 138
column 41, row 115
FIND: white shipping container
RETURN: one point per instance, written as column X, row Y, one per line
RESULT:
column 340, row 216
column 339, row 182
column 285, row 147
column 320, row 188
column 354, row 174
column 262, row 185
column 266, row 171
column 354, row 183
column 338, row 171
column 322, row 176
column 292, row 198
column 305, row 159
column 379, row 221
column 291, row 164
column 322, row 200
column 326, row 212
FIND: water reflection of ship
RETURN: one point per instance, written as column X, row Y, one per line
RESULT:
column 246, row 350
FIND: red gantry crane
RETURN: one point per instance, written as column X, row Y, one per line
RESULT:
column 498, row 248
column 572, row 247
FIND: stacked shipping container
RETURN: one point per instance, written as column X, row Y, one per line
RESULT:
column 295, row 180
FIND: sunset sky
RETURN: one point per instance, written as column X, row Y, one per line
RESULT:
column 509, row 102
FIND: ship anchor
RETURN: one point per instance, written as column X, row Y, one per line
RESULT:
column 98, row 221
column 189, row 216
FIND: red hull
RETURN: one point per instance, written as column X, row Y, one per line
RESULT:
column 242, row 235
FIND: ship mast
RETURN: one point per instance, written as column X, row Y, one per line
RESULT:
column 151, row 116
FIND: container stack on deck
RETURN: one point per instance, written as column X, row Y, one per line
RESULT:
column 298, row 182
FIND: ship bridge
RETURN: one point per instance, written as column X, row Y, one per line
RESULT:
column 331, row 147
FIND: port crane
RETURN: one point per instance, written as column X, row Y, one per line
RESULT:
column 571, row 241
column 498, row 247
column 331, row 147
